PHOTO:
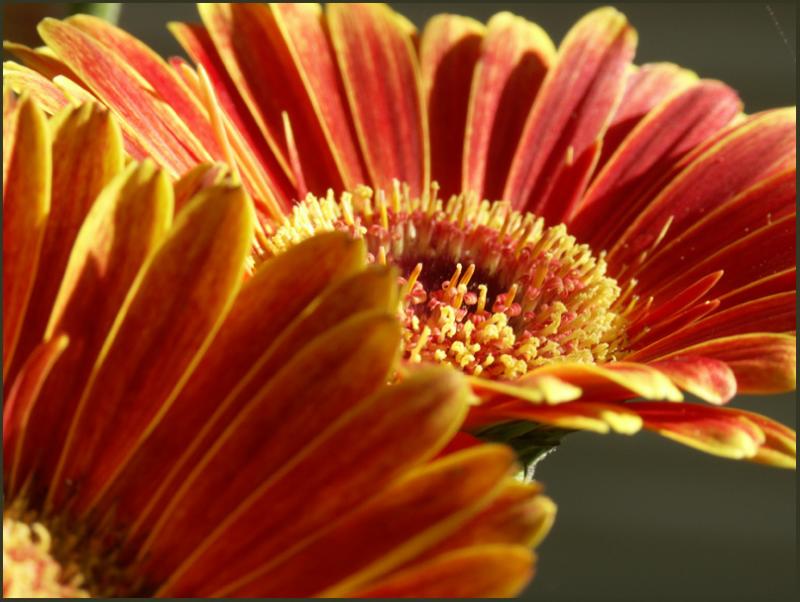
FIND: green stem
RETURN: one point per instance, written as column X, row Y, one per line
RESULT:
column 105, row 10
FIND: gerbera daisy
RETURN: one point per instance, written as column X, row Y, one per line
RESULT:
column 644, row 240
column 174, row 429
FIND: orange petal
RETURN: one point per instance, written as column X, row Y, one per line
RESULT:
column 449, row 49
column 762, row 146
column 26, row 204
column 573, row 108
column 780, row 444
column 381, row 77
column 20, row 402
column 519, row 515
column 155, row 125
column 123, row 227
column 199, row 265
column 42, row 60
column 311, row 391
column 764, row 287
column 481, row 571
column 515, row 56
column 648, row 152
column 360, row 453
column 762, row 362
column 420, row 509
column 88, row 146
column 710, row 379
column 196, row 179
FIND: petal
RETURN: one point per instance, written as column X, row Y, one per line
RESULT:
column 413, row 514
column 647, row 153
column 515, row 55
column 123, row 227
column 482, row 571
column 155, row 71
column 43, row 91
column 780, row 444
column 20, row 402
column 88, row 147
column 26, row 204
column 154, row 124
column 268, row 167
column 573, row 108
column 769, row 285
column 303, row 30
column 645, row 88
column 199, row 265
column 762, row 146
column 729, row 433
column 762, row 362
column 711, row 380
column 449, row 49
column 196, row 179
column 756, row 207
column 42, row 60
column 382, row 80
column 339, row 466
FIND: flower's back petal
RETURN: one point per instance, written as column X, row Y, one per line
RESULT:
column 655, row 145
column 271, row 167
column 766, row 201
column 449, row 49
column 156, row 72
column 46, row 94
column 515, row 56
column 303, row 29
column 42, row 60
column 199, row 266
column 381, row 77
column 574, row 106
column 763, row 146
column 710, row 379
column 88, row 153
column 154, row 123
column 645, row 88
column 779, row 282
column 418, row 510
column 27, row 164
column 332, row 470
column 125, row 224
column 481, row 571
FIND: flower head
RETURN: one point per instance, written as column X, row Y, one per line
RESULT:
column 174, row 428
column 644, row 245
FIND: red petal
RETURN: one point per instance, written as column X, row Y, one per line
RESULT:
column 449, row 49
column 515, row 55
column 647, row 154
column 382, row 80
column 763, row 146
column 571, row 112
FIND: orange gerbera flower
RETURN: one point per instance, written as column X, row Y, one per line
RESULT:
column 172, row 428
column 645, row 244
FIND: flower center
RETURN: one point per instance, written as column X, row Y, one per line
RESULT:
column 29, row 568
column 485, row 288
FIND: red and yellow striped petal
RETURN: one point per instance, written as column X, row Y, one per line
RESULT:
column 381, row 76
column 449, row 50
column 515, row 55
column 579, row 96
column 711, row 380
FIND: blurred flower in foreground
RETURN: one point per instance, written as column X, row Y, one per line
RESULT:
column 171, row 428
column 645, row 245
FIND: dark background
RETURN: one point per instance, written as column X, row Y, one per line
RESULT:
column 641, row 518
